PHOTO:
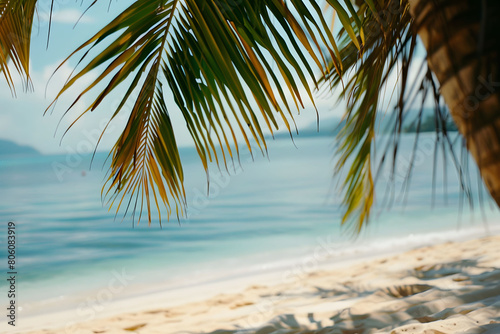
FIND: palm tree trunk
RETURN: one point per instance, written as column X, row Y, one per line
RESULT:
column 463, row 47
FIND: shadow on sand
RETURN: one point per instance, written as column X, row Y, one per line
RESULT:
column 447, row 295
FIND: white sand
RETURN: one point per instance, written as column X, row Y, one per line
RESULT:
column 448, row 288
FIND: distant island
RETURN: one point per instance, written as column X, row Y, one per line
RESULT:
column 428, row 124
column 9, row 148
column 330, row 127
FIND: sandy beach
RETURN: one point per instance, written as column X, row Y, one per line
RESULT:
column 447, row 288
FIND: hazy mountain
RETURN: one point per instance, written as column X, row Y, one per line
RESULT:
column 327, row 127
column 331, row 126
column 10, row 148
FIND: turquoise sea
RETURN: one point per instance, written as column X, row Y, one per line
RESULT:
column 264, row 215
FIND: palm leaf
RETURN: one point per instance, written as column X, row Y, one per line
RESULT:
column 373, row 47
column 232, row 69
column 371, row 64
column 16, row 20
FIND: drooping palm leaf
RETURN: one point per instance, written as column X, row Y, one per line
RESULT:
column 388, row 38
column 16, row 20
column 369, row 67
column 231, row 67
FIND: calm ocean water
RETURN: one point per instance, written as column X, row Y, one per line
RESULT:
column 264, row 215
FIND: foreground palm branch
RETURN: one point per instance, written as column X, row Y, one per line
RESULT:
column 387, row 33
column 387, row 46
column 16, row 20
column 232, row 69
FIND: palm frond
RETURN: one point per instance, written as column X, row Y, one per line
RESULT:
column 16, row 21
column 378, row 41
column 232, row 68
column 371, row 50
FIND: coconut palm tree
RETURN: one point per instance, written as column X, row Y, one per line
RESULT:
column 227, row 61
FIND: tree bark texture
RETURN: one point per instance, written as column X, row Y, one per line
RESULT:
column 462, row 38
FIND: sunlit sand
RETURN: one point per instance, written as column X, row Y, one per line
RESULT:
column 446, row 288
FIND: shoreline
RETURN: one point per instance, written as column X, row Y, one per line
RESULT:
column 273, row 279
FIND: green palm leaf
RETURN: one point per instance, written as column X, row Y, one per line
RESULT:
column 386, row 45
column 16, row 20
column 231, row 69
column 235, row 69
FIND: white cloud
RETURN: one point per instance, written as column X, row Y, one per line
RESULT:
column 66, row 16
